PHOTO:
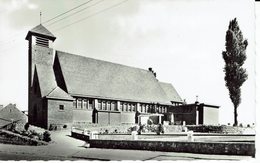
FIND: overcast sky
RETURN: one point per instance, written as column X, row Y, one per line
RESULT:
column 181, row 40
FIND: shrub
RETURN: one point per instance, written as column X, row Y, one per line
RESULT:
column 13, row 127
column 47, row 136
column 26, row 126
column 25, row 133
column 51, row 127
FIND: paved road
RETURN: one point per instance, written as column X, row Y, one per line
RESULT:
column 11, row 152
column 68, row 148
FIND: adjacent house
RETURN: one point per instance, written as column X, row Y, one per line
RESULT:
column 11, row 113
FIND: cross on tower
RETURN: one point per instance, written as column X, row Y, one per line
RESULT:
column 40, row 17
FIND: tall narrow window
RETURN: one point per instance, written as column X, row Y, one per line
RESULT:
column 129, row 107
column 125, row 107
column 113, row 106
column 108, row 105
column 99, row 105
column 85, row 104
column 75, row 103
column 90, row 104
column 133, row 107
column 79, row 102
column 104, row 105
column 121, row 106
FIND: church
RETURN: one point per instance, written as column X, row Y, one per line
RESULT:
column 66, row 88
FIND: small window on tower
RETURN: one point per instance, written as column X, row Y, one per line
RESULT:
column 61, row 107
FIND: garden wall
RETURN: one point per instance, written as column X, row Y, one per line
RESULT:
column 224, row 148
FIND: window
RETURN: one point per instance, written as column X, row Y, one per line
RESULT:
column 85, row 104
column 125, row 107
column 74, row 103
column 104, row 105
column 99, row 104
column 108, row 105
column 90, row 105
column 121, row 106
column 61, row 107
column 113, row 106
column 146, row 108
column 133, row 107
column 129, row 107
column 79, row 103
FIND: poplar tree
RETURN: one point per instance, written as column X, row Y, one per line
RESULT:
column 234, row 57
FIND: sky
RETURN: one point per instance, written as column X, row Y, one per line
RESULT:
column 181, row 40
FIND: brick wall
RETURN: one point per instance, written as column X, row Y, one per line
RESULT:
column 57, row 116
column 82, row 116
column 210, row 115
column 226, row 148
column 115, row 118
column 127, row 117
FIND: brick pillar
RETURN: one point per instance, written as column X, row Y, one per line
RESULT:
column 118, row 105
column 138, row 108
column 96, row 104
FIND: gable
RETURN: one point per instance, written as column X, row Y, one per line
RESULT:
column 10, row 112
column 40, row 30
column 85, row 76
column 58, row 93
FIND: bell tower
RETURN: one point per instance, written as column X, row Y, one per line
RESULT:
column 39, row 48
column 40, row 52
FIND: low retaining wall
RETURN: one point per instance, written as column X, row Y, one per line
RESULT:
column 7, row 137
column 80, row 136
column 228, row 148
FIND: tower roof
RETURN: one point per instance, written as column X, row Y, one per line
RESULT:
column 40, row 30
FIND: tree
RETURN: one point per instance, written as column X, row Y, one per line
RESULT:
column 234, row 57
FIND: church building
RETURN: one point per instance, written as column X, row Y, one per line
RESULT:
column 66, row 88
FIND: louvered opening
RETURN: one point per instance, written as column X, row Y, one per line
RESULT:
column 42, row 41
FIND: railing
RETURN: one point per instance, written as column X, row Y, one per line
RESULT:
column 83, row 134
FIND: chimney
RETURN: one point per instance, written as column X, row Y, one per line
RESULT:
column 151, row 70
column 1, row 107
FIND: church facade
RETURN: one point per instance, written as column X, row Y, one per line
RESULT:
column 66, row 88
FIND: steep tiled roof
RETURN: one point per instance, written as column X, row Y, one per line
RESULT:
column 59, row 93
column 91, row 77
column 171, row 92
column 40, row 30
column 46, row 78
